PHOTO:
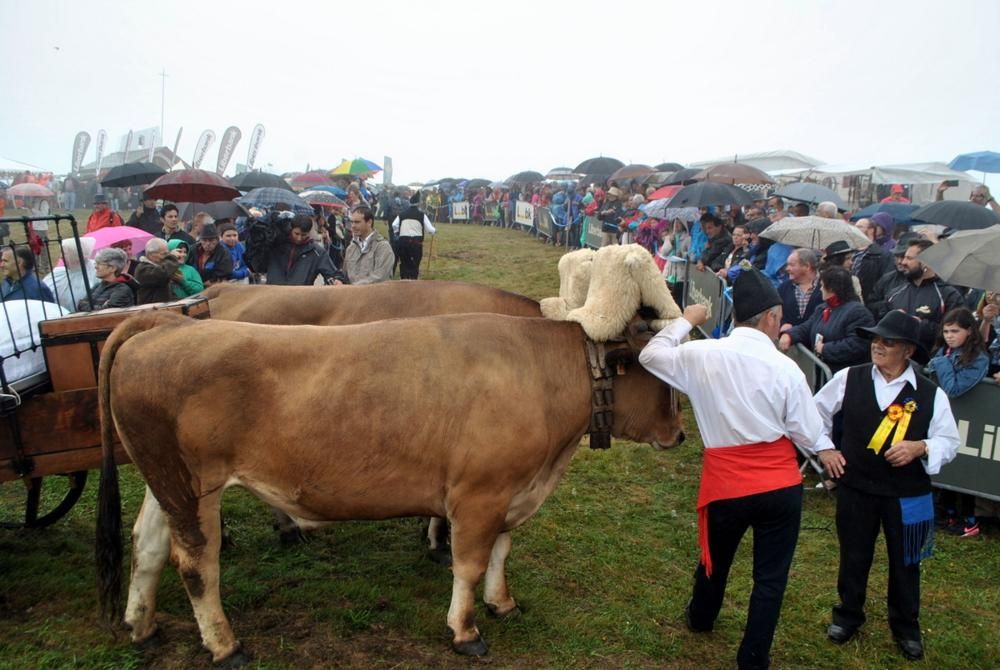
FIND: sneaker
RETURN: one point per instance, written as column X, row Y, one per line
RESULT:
column 953, row 526
column 971, row 531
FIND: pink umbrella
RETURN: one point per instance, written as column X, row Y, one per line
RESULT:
column 106, row 237
column 29, row 190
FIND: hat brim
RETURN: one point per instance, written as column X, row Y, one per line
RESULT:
column 919, row 353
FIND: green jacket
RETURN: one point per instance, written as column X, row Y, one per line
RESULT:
column 191, row 282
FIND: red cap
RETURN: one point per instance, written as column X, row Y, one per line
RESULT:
column 896, row 188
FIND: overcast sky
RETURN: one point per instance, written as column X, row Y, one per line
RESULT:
column 486, row 89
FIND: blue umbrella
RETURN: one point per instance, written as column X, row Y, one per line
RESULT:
column 336, row 190
column 980, row 161
column 900, row 212
column 267, row 198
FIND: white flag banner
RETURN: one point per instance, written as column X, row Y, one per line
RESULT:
column 230, row 138
column 256, row 137
column 80, row 145
column 201, row 148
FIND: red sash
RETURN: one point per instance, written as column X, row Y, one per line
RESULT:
column 735, row 472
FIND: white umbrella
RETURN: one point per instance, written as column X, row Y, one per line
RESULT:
column 967, row 258
column 658, row 209
column 815, row 232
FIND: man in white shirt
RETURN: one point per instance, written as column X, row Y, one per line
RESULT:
column 408, row 228
column 751, row 403
column 896, row 431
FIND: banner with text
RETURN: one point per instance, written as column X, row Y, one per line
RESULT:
column 592, row 232
column 545, row 222
column 524, row 214
column 80, row 145
column 230, row 138
column 201, row 148
column 976, row 468
column 256, row 137
column 460, row 211
column 705, row 288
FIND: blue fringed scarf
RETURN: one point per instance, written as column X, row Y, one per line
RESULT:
column 918, row 528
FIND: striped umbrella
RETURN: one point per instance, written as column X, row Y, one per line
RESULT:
column 267, row 198
column 359, row 167
column 323, row 199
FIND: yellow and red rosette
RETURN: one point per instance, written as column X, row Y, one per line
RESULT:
column 895, row 421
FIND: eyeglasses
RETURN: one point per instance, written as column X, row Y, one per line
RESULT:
column 888, row 344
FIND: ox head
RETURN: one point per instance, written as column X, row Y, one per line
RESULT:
column 645, row 409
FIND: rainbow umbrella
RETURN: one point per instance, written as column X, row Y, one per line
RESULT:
column 359, row 167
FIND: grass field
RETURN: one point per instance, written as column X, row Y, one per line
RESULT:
column 602, row 572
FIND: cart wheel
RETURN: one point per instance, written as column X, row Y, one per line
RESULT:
column 34, row 516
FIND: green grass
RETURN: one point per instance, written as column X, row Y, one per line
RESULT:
column 602, row 572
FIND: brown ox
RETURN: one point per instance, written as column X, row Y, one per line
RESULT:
column 342, row 305
column 485, row 415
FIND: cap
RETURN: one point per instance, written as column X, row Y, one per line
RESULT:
column 903, row 242
column 752, row 293
column 896, row 188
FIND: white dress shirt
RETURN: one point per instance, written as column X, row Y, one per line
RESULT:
column 411, row 227
column 743, row 390
column 942, row 436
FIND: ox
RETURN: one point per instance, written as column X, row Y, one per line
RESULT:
column 485, row 415
column 344, row 305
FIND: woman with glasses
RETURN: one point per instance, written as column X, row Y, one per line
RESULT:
column 112, row 291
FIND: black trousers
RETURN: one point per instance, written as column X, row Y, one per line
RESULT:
column 774, row 517
column 411, row 250
column 859, row 516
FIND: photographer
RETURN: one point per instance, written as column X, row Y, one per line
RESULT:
column 296, row 260
column 610, row 216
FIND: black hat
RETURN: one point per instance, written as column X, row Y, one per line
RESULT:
column 837, row 248
column 758, row 226
column 415, row 198
column 208, row 232
column 897, row 325
column 903, row 242
column 100, row 199
column 752, row 293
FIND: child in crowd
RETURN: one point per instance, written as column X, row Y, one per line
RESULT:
column 231, row 239
column 959, row 365
column 989, row 328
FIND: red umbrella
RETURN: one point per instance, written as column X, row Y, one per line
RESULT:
column 192, row 185
column 734, row 173
column 29, row 190
column 314, row 178
column 664, row 192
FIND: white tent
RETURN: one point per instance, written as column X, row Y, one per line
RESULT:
column 922, row 178
column 10, row 165
column 768, row 161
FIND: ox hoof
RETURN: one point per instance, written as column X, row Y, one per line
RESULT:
column 289, row 538
column 513, row 613
column 441, row 556
column 150, row 641
column 475, row 647
column 237, row 659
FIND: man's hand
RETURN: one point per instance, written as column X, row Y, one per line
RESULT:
column 833, row 461
column 905, row 451
column 696, row 314
column 942, row 187
column 785, row 327
column 701, row 266
column 785, row 342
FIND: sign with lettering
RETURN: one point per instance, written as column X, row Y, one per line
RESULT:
column 592, row 232
column 976, row 468
column 524, row 214
column 545, row 223
column 460, row 211
column 705, row 288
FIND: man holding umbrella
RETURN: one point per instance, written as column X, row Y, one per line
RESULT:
column 896, row 431
column 146, row 217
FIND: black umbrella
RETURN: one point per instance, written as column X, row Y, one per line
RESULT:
column 683, row 176
column 248, row 181
column 599, row 165
column 132, row 174
column 268, row 198
column 477, row 183
column 526, row 177
column 657, row 178
column 957, row 214
column 708, row 193
column 802, row 191
column 668, row 167
column 222, row 209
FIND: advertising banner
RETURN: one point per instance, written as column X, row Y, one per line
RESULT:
column 256, row 137
column 592, row 232
column 230, row 138
column 976, row 468
column 201, row 148
column 102, row 139
column 524, row 214
column 460, row 211
column 545, row 221
column 705, row 288
column 80, row 145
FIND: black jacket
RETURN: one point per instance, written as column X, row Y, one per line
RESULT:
column 715, row 253
column 842, row 346
column 217, row 267
column 929, row 302
column 149, row 221
column 874, row 263
column 790, row 305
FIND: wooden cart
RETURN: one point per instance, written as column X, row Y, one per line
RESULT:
column 50, row 424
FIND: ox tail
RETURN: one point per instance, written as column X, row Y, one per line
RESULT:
column 108, row 545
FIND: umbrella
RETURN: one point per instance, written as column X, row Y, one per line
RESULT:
column 957, row 214
column 4, row 185
column 561, row 174
column 314, row 178
column 359, row 167
column 477, row 183
column 664, row 192
column 657, row 178
column 981, row 161
column 248, row 181
column 660, row 209
column 668, row 167
column 29, row 190
column 815, row 232
column 498, row 185
column 192, row 185
column 334, row 189
column 105, row 237
column 967, row 258
column 735, row 173
column 222, row 209
column 627, row 173
column 132, row 174
column 599, row 165
column 899, row 211
column 706, row 193
column 322, row 198
column 525, row 177
column 267, row 198
column 814, row 194
column 685, row 176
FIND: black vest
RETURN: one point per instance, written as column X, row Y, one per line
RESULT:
column 412, row 212
column 870, row 472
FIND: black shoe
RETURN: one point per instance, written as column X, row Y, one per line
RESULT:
column 840, row 634
column 913, row 650
column 690, row 624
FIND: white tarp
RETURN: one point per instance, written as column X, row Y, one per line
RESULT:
column 19, row 318
column 908, row 173
column 768, row 161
